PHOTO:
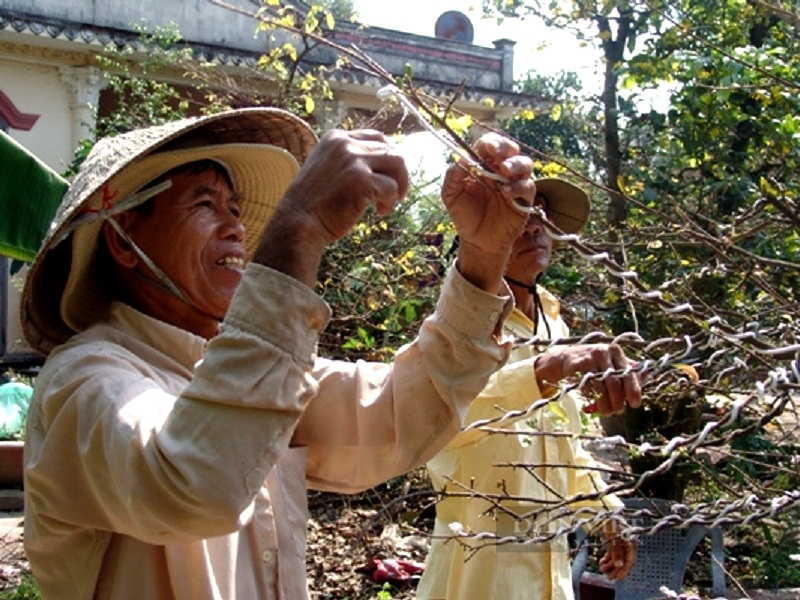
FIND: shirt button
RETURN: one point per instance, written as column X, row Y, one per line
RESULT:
column 493, row 316
column 267, row 556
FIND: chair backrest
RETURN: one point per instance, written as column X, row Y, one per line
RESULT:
column 662, row 557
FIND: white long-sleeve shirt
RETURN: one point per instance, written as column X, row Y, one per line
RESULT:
column 161, row 466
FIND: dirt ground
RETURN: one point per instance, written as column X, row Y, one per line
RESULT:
column 349, row 536
column 12, row 557
column 343, row 538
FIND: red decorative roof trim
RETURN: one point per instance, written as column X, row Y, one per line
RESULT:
column 15, row 118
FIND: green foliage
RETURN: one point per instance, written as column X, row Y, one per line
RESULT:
column 699, row 199
column 563, row 131
column 769, row 553
column 726, row 156
column 26, row 590
column 506, row 8
column 133, row 77
column 139, row 75
column 385, row 593
column 79, row 155
column 141, row 98
column 12, row 435
column 295, row 33
column 715, row 171
column 383, row 278
column 341, row 10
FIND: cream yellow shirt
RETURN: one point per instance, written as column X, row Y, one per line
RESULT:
column 474, row 458
column 159, row 466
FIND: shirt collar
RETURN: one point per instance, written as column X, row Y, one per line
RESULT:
column 181, row 345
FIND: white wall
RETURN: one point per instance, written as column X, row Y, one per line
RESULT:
column 199, row 20
column 38, row 90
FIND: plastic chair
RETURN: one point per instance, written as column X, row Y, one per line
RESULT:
column 661, row 558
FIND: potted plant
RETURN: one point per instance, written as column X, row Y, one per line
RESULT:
column 14, row 400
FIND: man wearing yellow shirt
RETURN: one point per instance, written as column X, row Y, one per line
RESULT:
column 477, row 462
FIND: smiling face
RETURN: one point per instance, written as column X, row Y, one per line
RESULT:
column 532, row 250
column 192, row 231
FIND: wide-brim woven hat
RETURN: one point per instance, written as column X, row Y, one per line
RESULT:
column 261, row 148
column 568, row 205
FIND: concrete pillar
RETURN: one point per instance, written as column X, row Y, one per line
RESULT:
column 507, row 74
column 84, row 85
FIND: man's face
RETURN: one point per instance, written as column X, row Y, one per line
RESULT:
column 193, row 233
column 532, row 250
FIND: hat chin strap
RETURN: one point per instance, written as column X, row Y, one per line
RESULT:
column 538, row 309
column 531, row 287
column 163, row 279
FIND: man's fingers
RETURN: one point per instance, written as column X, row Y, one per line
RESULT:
column 387, row 192
column 619, row 559
column 615, row 393
column 383, row 158
column 522, row 191
column 494, row 148
column 631, row 387
column 516, row 168
column 633, row 390
column 387, row 179
column 392, row 166
column 369, row 135
column 609, row 393
column 605, row 391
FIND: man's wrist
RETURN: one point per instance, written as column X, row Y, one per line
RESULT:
column 287, row 246
column 481, row 268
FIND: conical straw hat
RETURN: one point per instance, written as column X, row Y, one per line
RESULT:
column 260, row 147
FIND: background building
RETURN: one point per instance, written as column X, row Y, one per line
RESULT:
column 51, row 87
